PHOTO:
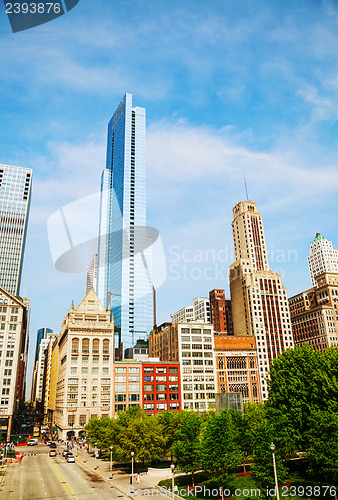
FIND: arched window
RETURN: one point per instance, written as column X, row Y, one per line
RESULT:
column 75, row 346
column 85, row 346
column 96, row 346
column 106, row 346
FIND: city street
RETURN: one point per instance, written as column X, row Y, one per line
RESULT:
column 39, row 476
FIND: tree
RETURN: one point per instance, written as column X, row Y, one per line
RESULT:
column 138, row 432
column 323, row 446
column 299, row 384
column 98, row 430
column 221, row 453
column 170, row 423
column 262, row 435
column 244, row 421
column 187, row 448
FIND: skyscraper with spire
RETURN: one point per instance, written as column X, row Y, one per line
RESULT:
column 258, row 296
column 124, row 254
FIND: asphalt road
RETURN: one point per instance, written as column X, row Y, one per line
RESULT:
column 42, row 477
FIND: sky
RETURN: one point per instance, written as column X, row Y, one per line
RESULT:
column 232, row 89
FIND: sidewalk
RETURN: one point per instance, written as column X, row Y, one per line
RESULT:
column 148, row 481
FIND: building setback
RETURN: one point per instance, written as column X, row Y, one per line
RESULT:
column 15, row 193
column 259, row 301
column 237, row 367
column 13, row 339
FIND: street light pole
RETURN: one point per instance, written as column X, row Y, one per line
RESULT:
column 132, row 466
column 95, row 456
column 272, row 448
column 111, row 462
column 173, row 480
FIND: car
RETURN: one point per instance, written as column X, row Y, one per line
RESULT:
column 52, row 445
column 66, row 452
column 49, row 443
column 52, row 453
column 70, row 458
column 32, row 442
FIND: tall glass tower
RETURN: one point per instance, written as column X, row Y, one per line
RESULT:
column 124, row 253
column 15, row 193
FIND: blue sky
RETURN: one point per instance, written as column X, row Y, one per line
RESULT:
column 232, row 89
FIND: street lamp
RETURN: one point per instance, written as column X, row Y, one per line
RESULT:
column 132, row 466
column 272, row 448
column 173, row 479
column 111, row 462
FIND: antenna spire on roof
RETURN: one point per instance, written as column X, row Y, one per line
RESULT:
column 246, row 189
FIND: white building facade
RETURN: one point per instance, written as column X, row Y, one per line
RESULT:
column 323, row 258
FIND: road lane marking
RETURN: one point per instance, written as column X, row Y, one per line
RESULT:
column 62, row 480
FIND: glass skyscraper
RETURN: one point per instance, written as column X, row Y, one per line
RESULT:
column 15, row 193
column 124, row 250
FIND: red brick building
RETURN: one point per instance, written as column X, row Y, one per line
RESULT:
column 221, row 314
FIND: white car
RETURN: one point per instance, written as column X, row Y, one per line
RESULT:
column 32, row 442
column 70, row 458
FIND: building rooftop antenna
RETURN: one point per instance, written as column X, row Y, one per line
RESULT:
column 246, row 189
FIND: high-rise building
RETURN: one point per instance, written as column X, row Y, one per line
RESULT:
column 323, row 258
column 42, row 333
column 13, row 333
column 258, row 298
column 39, row 373
column 15, row 192
column 124, row 253
column 221, row 313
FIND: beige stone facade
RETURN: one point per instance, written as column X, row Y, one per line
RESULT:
column 314, row 313
column 85, row 359
column 13, row 332
column 258, row 298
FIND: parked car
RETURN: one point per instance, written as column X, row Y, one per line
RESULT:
column 66, row 452
column 32, row 442
column 49, row 443
column 52, row 445
column 52, row 453
column 70, row 458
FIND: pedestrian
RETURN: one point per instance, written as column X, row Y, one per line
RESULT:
column 131, row 479
column 137, row 478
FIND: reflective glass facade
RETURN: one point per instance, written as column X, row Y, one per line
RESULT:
column 15, row 192
column 124, row 253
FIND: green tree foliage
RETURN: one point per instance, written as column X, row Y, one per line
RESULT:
column 220, row 451
column 187, row 448
column 244, row 423
column 263, row 433
column 135, row 431
column 323, row 446
column 302, row 381
column 170, row 423
column 98, row 430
